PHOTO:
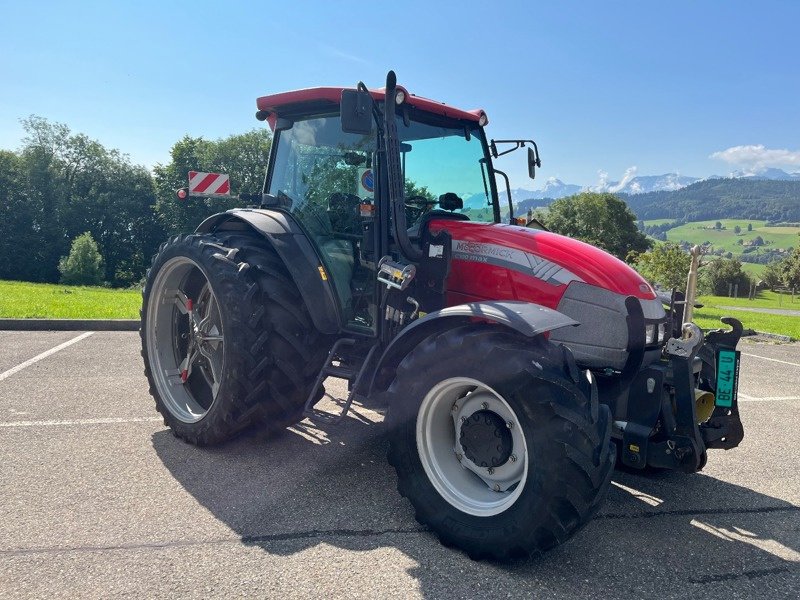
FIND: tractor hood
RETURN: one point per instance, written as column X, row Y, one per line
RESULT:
column 519, row 254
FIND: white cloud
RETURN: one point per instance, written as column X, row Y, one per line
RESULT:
column 602, row 182
column 604, row 185
column 630, row 173
column 757, row 157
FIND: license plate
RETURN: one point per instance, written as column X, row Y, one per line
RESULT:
column 727, row 377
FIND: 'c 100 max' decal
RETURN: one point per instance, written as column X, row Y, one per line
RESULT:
column 510, row 258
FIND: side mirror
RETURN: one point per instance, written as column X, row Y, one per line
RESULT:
column 356, row 109
column 533, row 162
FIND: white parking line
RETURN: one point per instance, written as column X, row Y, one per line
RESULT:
column 785, row 362
column 108, row 421
column 742, row 398
column 39, row 357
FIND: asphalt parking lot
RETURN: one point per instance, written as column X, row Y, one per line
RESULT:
column 98, row 499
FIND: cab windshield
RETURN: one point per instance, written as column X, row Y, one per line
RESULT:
column 317, row 163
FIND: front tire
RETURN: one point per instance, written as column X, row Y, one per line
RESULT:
column 226, row 339
column 499, row 451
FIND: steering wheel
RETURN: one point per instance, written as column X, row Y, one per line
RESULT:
column 416, row 206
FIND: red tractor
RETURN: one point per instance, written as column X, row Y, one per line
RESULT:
column 517, row 366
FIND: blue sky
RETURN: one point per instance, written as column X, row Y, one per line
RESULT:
column 602, row 86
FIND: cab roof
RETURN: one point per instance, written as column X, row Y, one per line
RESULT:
column 320, row 98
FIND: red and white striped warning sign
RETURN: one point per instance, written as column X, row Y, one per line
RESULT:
column 208, row 184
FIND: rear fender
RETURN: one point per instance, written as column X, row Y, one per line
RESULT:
column 525, row 318
column 295, row 250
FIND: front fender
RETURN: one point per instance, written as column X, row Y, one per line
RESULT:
column 525, row 318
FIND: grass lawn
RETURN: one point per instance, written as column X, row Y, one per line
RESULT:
column 23, row 300
column 708, row 316
column 763, row 299
column 753, row 269
column 47, row 301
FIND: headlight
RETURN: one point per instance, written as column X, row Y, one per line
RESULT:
column 654, row 333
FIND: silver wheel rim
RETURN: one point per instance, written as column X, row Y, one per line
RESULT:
column 185, row 343
column 472, row 489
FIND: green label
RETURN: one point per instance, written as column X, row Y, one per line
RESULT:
column 727, row 377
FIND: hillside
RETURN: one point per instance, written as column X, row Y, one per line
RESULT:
column 755, row 199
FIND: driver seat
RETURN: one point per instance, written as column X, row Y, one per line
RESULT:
column 447, row 203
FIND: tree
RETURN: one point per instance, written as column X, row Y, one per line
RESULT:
column 718, row 274
column 66, row 184
column 666, row 265
column 243, row 157
column 737, row 230
column 790, row 270
column 749, row 227
column 757, row 241
column 718, row 225
column 16, row 217
column 773, row 274
column 599, row 219
column 84, row 265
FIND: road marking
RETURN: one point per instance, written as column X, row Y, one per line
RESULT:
column 742, row 398
column 109, row 421
column 43, row 355
column 785, row 362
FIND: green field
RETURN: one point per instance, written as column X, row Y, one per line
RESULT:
column 22, row 300
column 708, row 316
column 699, row 232
column 658, row 221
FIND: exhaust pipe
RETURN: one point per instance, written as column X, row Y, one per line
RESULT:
column 703, row 405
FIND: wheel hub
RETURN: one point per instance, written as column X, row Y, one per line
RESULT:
column 472, row 446
column 485, row 439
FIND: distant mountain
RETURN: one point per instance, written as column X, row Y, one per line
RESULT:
column 644, row 184
column 554, row 188
column 744, row 198
column 770, row 194
column 768, row 174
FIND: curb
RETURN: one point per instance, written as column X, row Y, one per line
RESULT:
column 69, row 324
column 774, row 336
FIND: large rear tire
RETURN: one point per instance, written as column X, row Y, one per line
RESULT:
column 500, row 452
column 226, row 339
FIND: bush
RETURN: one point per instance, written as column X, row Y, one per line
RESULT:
column 84, row 265
column 666, row 265
column 773, row 275
column 790, row 270
column 718, row 274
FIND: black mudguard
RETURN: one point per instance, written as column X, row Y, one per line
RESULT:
column 524, row 317
column 291, row 243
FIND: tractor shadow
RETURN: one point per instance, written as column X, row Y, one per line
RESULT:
column 302, row 487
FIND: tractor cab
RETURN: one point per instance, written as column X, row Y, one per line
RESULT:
column 329, row 178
